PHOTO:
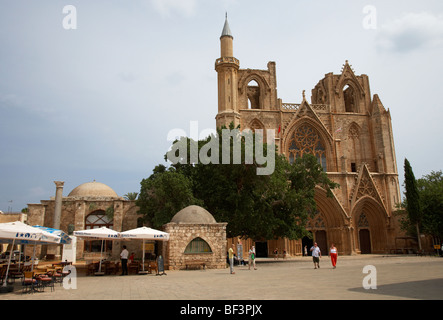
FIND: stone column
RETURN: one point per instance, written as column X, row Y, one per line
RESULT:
column 56, row 249
column 58, row 203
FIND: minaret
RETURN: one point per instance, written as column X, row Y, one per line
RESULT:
column 227, row 67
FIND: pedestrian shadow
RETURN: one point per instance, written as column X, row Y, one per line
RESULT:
column 422, row 290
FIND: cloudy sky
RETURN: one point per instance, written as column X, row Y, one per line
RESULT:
column 98, row 101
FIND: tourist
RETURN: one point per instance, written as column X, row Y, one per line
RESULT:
column 276, row 254
column 251, row 258
column 231, row 258
column 305, row 253
column 131, row 258
column 316, row 255
column 333, row 253
column 124, row 259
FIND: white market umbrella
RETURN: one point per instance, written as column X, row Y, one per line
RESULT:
column 144, row 233
column 102, row 233
column 18, row 231
column 25, row 234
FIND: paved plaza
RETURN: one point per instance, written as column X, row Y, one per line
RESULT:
column 395, row 277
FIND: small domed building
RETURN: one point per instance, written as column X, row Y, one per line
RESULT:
column 195, row 236
column 90, row 205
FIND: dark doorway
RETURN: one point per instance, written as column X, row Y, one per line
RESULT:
column 308, row 243
column 261, row 249
column 320, row 238
column 365, row 241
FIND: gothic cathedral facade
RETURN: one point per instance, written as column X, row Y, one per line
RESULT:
column 348, row 131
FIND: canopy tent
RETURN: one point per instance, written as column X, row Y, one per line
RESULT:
column 64, row 237
column 103, row 234
column 20, row 232
column 144, row 233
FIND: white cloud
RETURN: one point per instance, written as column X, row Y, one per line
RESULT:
column 182, row 7
column 411, row 31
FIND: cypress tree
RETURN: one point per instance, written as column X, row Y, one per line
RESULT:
column 412, row 199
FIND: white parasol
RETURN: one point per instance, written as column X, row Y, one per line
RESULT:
column 19, row 232
column 103, row 234
column 144, row 233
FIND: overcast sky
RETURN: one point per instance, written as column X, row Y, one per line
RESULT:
column 97, row 102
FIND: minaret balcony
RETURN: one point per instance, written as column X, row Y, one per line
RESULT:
column 227, row 60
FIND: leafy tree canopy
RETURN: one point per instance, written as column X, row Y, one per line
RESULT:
column 254, row 206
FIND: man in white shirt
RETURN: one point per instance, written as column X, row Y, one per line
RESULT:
column 124, row 258
column 316, row 254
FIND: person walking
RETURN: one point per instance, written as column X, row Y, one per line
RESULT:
column 251, row 258
column 316, row 255
column 334, row 254
column 231, row 258
column 124, row 259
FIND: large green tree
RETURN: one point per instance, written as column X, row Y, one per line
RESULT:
column 430, row 189
column 258, row 206
column 163, row 194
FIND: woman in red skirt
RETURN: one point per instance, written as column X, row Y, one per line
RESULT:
column 333, row 253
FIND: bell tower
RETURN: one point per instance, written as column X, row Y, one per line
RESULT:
column 227, row 70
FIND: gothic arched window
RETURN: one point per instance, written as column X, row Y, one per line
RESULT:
column 307, row 140
column 253, row 94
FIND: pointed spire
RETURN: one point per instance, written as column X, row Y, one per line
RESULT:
column 226, row 30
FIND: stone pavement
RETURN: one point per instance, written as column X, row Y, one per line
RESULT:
column 397, row 278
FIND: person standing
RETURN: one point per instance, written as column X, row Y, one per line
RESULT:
column 124, row 259
column 251, row 258
column 231, row 258
column 316, row 255
column 334, row 254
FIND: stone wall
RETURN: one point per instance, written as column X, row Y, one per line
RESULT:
column 181, row 234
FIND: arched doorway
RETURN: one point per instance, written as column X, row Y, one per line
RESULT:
column 307, row 242
column 370, row 226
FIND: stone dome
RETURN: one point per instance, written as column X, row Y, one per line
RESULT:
column 93, row 190
column 193, row 214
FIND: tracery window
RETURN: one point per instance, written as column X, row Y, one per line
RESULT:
column 307, row 140
column 363, row 221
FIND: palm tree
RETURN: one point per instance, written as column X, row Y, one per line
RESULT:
column 131, row 196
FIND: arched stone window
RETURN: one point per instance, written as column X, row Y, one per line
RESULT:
column 307, row 140
column 98, row 219
column 354, row 146
column 198, row 245
column 253, row 94
column 349, row 98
